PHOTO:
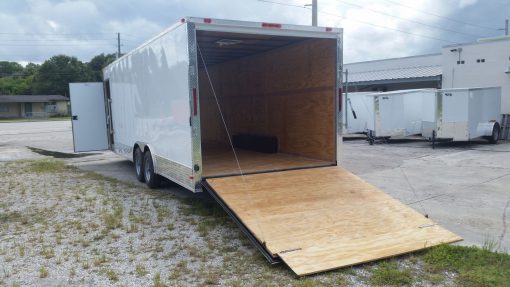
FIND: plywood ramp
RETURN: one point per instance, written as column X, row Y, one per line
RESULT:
column 324, row 218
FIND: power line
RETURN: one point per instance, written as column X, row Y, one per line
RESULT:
column 56, row 44
column 363, row 22
column 57, row 34
column 54, row 40
column 440, row 16
column 409, row 20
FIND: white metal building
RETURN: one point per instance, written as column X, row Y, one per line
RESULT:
column 416, row 72
column 485, row 63
column 482, row 64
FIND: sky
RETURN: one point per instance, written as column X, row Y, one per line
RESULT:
column 34, row 30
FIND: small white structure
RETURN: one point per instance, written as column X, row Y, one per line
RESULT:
column 465, row 114
column 400, row 113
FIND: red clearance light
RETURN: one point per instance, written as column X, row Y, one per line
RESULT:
column 329, row 29
column 207, row 20
column 271, row 25
column 183, row 20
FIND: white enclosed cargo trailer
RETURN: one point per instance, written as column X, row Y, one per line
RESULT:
column 249, row 112
column 359, row 111
column 465, row 114
column 400, row 113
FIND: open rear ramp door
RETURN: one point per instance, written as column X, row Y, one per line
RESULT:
column 320, row 219
column 88, row 117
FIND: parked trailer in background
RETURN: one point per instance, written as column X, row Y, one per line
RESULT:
column 465, row 114
column 249, row 112
column 359, row 111
column 400, row 113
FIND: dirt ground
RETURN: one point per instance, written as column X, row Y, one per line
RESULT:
column 62, row 226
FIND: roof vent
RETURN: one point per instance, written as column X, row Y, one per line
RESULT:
column 228, row 42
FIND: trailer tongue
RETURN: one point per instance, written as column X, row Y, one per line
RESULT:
column 324, row 218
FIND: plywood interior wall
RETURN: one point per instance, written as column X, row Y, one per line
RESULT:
column 288, row 92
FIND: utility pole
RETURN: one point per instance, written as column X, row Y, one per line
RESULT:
column 506, row 28
column 118, row 45
column 314, row 12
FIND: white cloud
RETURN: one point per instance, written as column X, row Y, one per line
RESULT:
column 89, row 26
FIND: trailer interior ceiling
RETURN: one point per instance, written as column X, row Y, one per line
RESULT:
column 277, row 96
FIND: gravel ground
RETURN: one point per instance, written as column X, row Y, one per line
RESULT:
column 62, row 226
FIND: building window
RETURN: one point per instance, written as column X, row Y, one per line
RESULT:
column 50, row 107
column 4, row 108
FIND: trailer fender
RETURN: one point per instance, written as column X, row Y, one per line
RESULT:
column 485, row 129
column 144, row 147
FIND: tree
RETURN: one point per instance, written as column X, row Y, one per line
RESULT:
column 8, row 69
column 16, row 80
column 97, row 64
column 55, row 74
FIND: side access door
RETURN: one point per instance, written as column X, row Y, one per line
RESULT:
column 88, row 117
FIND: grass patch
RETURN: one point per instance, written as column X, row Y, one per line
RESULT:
column 43, row 272
column 47, row 252
column 113, row 219
column 387, row 273
column 140, row 270
column 111, row 275
column 202, row 206
column 474, row 266
column 157, row 281
column 14, row 216
column 46, row 166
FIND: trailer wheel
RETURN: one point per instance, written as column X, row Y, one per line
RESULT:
column 493, row 139
column 433, row 139
column 138, row 159
column 152, row 179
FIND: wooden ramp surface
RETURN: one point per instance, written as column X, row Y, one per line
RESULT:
column 324, row 218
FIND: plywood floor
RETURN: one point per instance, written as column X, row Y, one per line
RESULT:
column 221, row 161
column 325, row 218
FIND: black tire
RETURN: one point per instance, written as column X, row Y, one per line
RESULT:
column 433, row 139
column 138, row 160
column 493, row 139
column 152, row 179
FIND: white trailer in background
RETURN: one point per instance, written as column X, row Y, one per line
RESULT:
column 249, row 112
column 359, row 111
column 465, row 114
column 400, row 113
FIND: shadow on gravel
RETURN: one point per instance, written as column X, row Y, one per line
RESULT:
column 57, row 154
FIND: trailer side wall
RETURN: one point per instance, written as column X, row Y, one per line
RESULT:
column 151, row 104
